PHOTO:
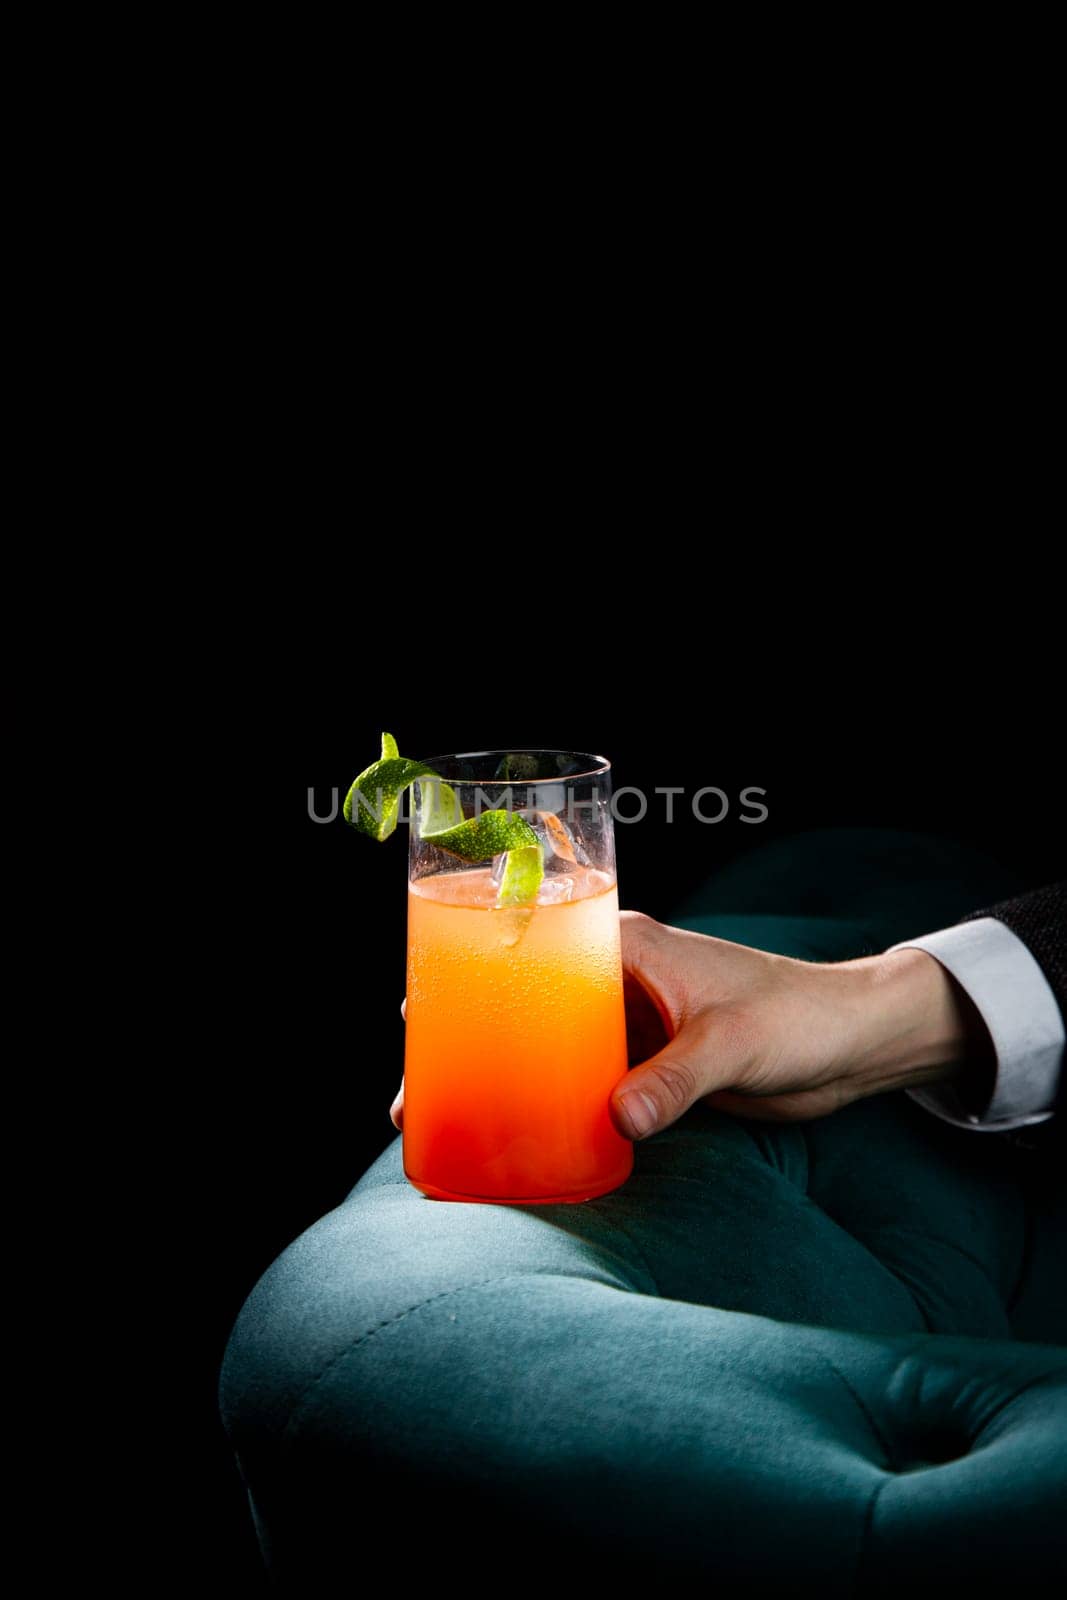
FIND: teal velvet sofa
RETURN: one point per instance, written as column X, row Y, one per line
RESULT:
column 825, row 1357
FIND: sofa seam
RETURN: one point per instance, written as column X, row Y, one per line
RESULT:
column 891, row 1272
column 866, row 1531
column 887, row 1467
column 982, row 1267
column 1027, row 1254
column 1032, row 1383
column 809, row 1159
column 618, row 1227
column 302, row 1399
column 889, row 1462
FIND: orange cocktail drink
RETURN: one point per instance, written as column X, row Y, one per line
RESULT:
column 515, row 1040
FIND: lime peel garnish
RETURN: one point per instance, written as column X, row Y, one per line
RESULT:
column 524, row 867
column 372, row 803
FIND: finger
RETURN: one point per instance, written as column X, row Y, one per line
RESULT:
column 708, row 1055
column 638, row 934
column 647, row 972
column 396, row 1110
column 404, row 1008
column 646, row 1032
column 655, row 1094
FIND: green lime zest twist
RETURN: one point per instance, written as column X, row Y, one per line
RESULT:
column 372, row 803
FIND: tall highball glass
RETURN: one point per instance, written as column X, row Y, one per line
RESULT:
column 516, row 1032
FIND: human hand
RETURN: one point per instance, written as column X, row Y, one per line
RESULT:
column 770, row 1037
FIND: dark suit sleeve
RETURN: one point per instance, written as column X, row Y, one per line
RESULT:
column 1009, row 962
column 1040, row 921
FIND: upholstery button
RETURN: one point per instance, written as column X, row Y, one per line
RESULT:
column 933, row 1449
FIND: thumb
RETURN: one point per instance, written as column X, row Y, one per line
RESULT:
column 699, row 1060
column 655, row 1094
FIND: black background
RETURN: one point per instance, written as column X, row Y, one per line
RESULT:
column 921, row 728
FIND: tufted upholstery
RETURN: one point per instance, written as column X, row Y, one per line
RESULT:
column 825, row 1355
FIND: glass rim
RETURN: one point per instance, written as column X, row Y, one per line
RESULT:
column 597, row 766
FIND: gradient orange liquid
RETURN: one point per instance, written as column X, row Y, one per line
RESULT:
column 515, row 1038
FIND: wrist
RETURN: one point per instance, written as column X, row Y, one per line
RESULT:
column 911, row 1021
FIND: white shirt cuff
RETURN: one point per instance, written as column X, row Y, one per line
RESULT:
column 1018, row 1007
